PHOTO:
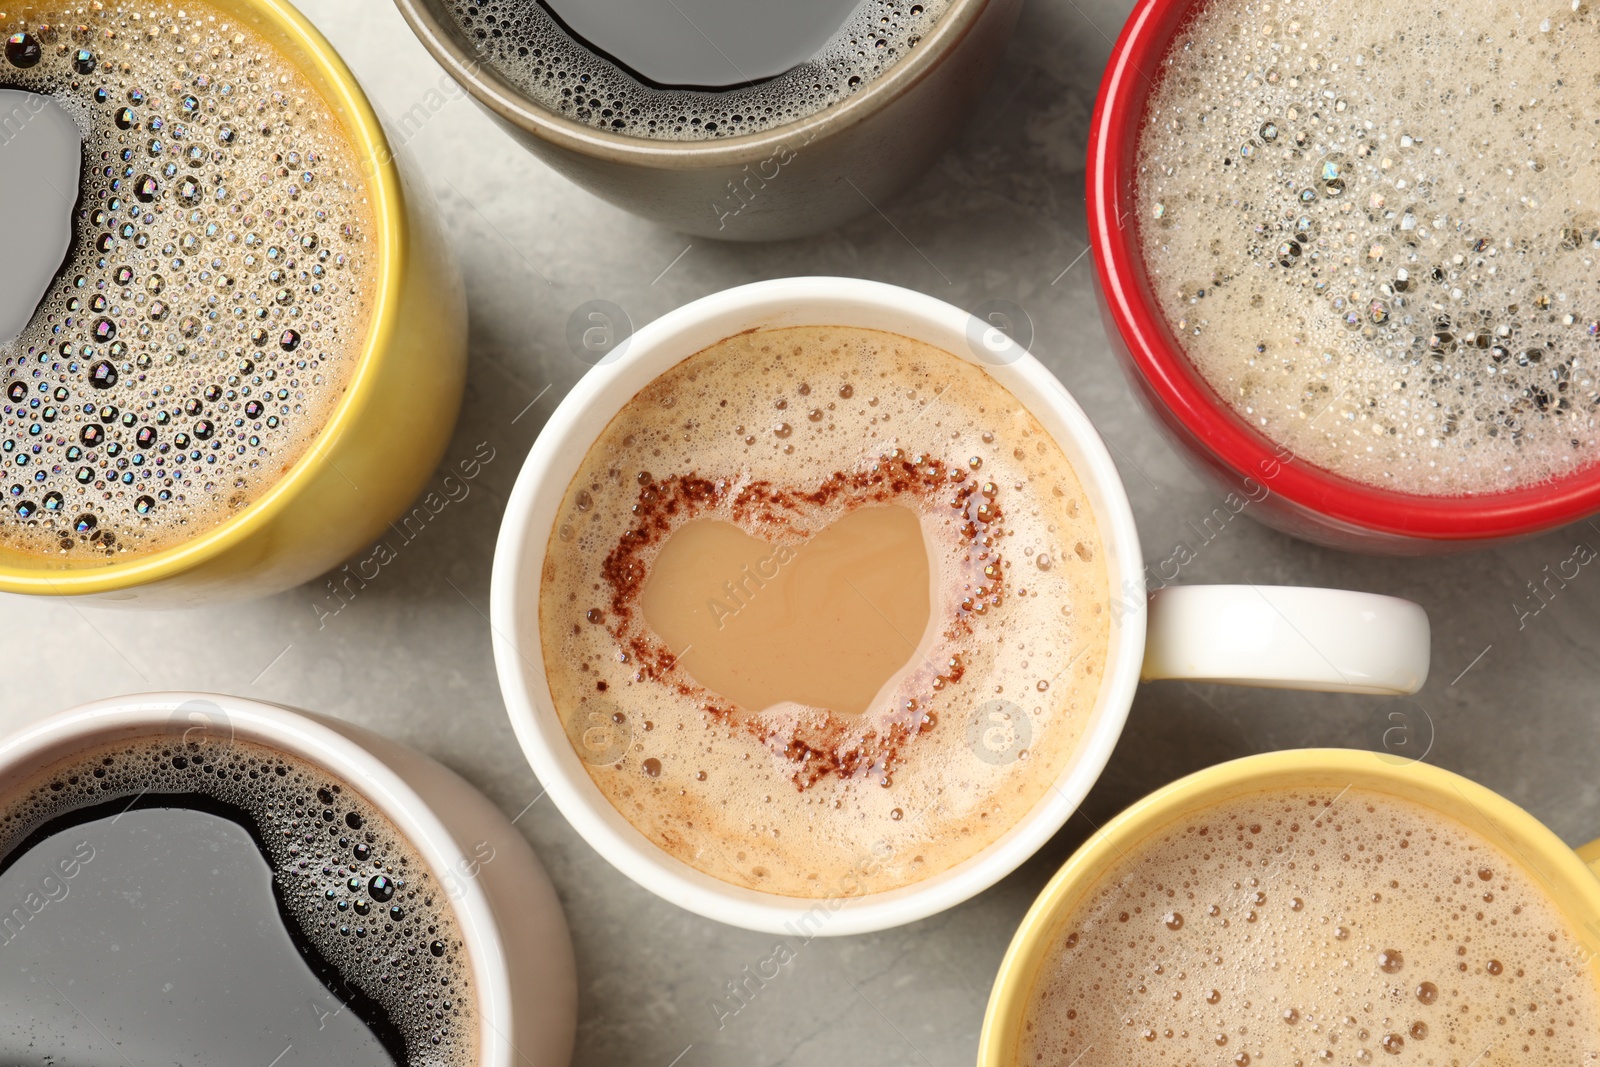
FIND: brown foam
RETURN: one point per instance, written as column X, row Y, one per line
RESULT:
column 1307, row 928
column 781, row 433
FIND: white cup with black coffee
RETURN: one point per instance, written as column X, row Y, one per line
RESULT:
column 199, row 878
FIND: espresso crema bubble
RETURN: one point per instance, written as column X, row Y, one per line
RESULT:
column 785, row 434
column 1301, row 927
column 354, row 888
column 216, row 294
column 535, row 53
column 1376, row 232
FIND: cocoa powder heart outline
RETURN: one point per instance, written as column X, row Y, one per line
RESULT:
column 816, row 742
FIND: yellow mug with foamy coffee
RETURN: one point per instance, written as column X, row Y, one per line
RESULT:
column 263, row 366
column 1320, row 906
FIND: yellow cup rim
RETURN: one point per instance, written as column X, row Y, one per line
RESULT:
column 334, row 81
column 1538, row 847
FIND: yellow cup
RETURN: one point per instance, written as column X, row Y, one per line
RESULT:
column 386, row 434
column 1574, row 887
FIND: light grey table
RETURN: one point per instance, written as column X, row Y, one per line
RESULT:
column 1511, row 700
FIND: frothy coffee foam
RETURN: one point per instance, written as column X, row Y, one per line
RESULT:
column 1376, row 231
column 355, row 888
column 216, row 296
column 1313, row 927
column 524, row 42
column 781, row 433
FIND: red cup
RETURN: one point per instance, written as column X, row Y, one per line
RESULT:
column 1286, row 492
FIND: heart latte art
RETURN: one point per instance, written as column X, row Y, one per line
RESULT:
column 824, row 611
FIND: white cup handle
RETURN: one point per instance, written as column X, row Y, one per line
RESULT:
column 1284, row 637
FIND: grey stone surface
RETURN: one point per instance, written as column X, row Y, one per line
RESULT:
column 1001, row 216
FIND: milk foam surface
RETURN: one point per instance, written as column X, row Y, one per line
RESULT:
column 781, row 433
column 1312, row 927
column 356, row 890
column 216, row 296
column 525, row 43
column 1375, row 229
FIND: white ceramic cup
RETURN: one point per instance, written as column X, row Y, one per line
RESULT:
column 511, row 922
column 1250, row 635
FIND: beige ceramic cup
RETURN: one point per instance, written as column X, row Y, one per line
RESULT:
column 800, row 178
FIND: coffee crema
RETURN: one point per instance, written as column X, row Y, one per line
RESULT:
column 1376, row 232
column 358, row 899
column 790, row 436
column 1309, row 927
column 531, row 48
column 215, row 297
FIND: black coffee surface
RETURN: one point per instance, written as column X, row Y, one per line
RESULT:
column 41, row 154
column 705, row 43
column 198, row 899
column 155, row 935
column 688, row 70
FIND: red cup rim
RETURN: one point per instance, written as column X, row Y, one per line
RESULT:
column 1175, row 383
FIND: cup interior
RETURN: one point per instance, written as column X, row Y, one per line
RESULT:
column 1171, row 382
column 431, row 21
column 221, row 719
column 554, row 460
column 290, row 34
column 1570, row 884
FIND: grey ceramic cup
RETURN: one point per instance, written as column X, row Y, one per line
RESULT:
column 800, row 178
